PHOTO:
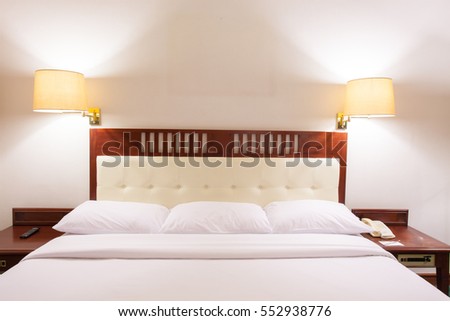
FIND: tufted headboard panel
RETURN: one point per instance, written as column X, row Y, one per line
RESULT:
column 175, row 166
column 169, row 181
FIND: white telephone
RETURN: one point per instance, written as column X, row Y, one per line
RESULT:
column 379, row 229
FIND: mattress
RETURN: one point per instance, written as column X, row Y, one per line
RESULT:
column 206, row 267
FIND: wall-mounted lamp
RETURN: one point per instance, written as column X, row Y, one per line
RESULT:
column 60, row 91
column 367, row 97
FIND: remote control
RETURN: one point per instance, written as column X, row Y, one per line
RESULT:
column 30, row 232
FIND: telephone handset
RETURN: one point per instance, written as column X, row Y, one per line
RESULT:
column 379, row 229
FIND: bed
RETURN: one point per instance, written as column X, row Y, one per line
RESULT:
column 219, row 215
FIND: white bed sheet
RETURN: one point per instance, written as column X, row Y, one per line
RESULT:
column 213, row 267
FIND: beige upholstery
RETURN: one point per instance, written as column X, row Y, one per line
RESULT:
column 171, row 180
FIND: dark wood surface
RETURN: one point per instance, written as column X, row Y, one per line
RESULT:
column 387, row 216
column 414, row 241
column 38, row 216
column 10, row 241
column 218, row 143
column 13, row 249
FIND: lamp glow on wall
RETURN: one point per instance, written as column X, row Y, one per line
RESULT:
column 367, row 97
column 62, row 91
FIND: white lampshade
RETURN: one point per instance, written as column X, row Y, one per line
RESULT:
column 59, row 91
column 370, row 97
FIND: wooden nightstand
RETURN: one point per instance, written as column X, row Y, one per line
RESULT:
column 418, row 250
column 13, row 248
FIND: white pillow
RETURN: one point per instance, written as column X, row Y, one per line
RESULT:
column 103, row 217
column 313, row 216
column 216, row 217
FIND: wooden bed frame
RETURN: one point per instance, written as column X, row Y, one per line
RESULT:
column 220, row 143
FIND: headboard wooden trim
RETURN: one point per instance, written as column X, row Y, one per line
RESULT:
column 223, row 143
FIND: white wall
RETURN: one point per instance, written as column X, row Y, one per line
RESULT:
column 274, row 64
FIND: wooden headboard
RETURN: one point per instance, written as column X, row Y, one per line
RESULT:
column 217, row 143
